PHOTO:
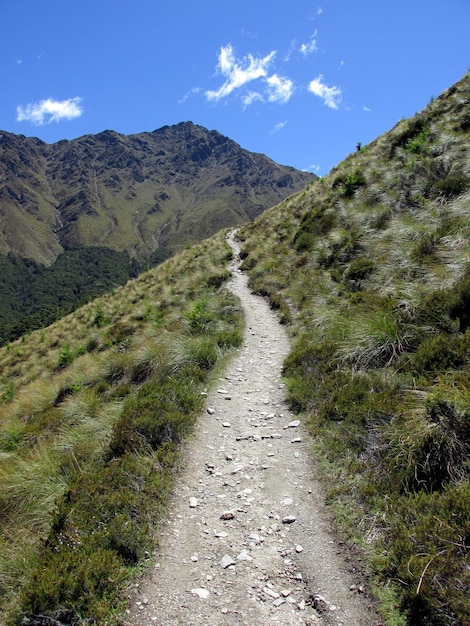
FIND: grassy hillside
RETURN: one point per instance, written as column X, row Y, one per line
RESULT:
column 93, row 409
column 370, row 268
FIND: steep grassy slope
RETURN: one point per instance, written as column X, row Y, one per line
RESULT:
column 370, row 267
column 92, row 411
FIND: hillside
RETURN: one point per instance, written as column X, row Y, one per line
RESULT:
column 368, row 268
column 137, row 193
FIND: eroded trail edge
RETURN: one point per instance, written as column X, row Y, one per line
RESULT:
column 247, row 539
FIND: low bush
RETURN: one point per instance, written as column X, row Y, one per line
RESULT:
column 440, row 353
column 357, row 272
column 427, row 549
column 452, row 186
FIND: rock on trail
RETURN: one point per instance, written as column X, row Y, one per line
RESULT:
column 247, row 539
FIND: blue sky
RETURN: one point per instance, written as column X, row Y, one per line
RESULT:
column 300, row 81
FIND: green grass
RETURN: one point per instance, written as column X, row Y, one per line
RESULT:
column 91, row 431
column 373, row 261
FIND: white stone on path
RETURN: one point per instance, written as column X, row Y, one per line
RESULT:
column 201, row 593
column 244, row 556
column 226, row 561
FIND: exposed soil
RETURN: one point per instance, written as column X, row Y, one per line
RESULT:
column 274, row 559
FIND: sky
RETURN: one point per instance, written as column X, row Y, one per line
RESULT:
column 302, row 81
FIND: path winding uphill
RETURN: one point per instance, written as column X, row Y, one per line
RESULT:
column 247, row 540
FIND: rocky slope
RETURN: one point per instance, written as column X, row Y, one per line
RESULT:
column 176, row 185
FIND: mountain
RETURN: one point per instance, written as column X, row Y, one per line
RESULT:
column 137, row 193
column 78, row 218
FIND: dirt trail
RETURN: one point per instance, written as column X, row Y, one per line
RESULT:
column 272, row 560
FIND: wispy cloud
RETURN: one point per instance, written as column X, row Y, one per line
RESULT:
column 47, row 111
column 310, row 46
column 312, row 168
column 291, row 50
column 280, row 88
column 250, row 97
column 187, row 95
column 331, row 96
column 238, row 73
column 278, row 127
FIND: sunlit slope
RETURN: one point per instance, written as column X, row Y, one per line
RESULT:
column 93, row 409
column 370, row 267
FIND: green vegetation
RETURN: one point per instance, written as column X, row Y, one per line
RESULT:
column 373, row 263
column 369, row 268
column 34, row 296
column 94, row 409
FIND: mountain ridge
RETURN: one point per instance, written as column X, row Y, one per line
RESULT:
column 169, row 187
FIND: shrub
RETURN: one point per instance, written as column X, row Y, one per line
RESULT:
column 353, row 181
column 357, row 272
column 425, row 247
column 418, row 143
column 216, row 280
column 73, row 583
column 452, row 186
column 200, row 316
column 440, row 353
column 426, row 549
column 315, row 223
column 304, row 242
column 429, row 450
column 158, row 413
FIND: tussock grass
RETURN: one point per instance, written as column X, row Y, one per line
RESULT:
column 375, row 261
column 90, row 432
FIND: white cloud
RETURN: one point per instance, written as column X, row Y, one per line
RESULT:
column 311, row 46
column 187, row 95
column 47, row 111
column 238, row 73
column 280, row 88
column 251, row 97
column 278, row 127
column 312, row 168
column 290, row 51
column 364, row 108
column 331, row 96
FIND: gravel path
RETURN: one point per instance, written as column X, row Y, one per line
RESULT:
column 247, row 540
